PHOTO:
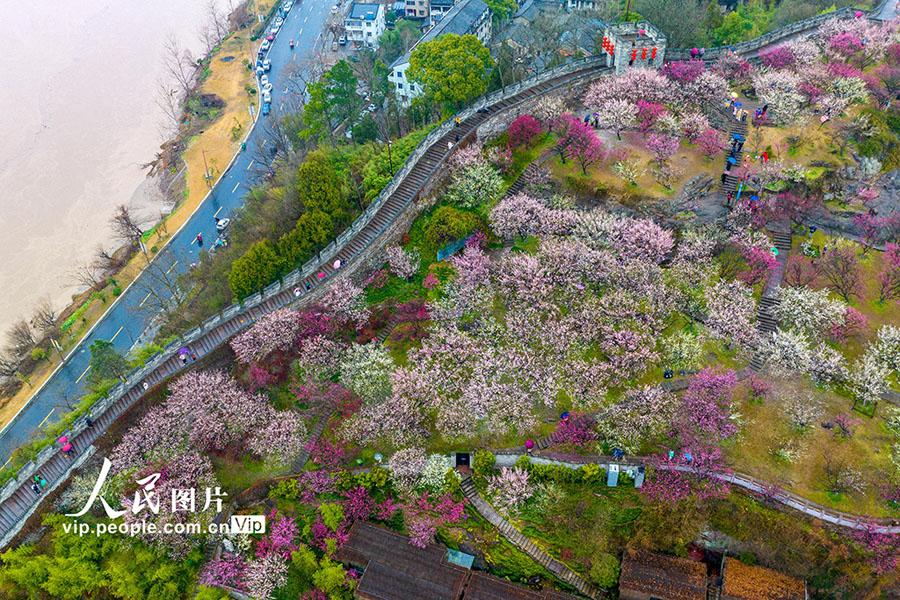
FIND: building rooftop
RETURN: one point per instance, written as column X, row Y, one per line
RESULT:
column 743, row 582
column 664, row 576
column 442, row 3
column 395, row 570
column 458, row 20
column 366, row 12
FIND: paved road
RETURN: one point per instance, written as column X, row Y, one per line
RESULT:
column 124, row 324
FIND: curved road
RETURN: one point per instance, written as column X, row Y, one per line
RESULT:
column 125, row 321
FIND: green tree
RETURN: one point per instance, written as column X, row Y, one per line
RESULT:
column 447, row 224
column 106, row 362
column 502, row 9
column 341, row 85
column 394, row 43
column 366, row 130
column 256, row 269
column 318, row 187
column 317, row 114
column 605, row 570
column 451, row 69
column 314, row 229
column 713, row 20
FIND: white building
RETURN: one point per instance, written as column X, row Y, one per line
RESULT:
column 365, row 24
column 468, row 17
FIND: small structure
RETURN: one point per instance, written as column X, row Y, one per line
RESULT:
column 633, row 44
column 438, row 8
column 365, row 24
column 417, row 9
column 743, row 582
column 646, row 575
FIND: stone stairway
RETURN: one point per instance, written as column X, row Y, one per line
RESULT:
column 387, row 329
column 521, row 542
column 731, row 182
column 16, row 507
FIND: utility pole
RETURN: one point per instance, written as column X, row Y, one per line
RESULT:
column 390, row 158
column 206, row 169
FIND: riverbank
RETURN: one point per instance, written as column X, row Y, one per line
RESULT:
column 220, row 138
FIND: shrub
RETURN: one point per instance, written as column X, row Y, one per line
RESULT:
column 448, row 224
column 605, row 570
column 483, row 463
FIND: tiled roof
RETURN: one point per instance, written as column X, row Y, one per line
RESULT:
column 458, row 20
column 662, row 576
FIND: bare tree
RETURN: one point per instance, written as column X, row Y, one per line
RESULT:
column 216, row 21
column 124, row 225
column 105, row 261
column 20, row 336
column 169, row 102
column 543, row 37
column 160, row 288
column 88, row 274
column 178, row 64
column 44, row 317
column 210, row 38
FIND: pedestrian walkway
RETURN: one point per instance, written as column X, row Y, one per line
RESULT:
column 17, row 499
column 521, row 542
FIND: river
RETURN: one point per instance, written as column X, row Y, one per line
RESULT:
column 78, row 119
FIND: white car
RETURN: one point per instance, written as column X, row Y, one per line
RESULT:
column 266, row 96
column 288, row 6
column 275, row 28
column 267, row 65
column 279, row 22
column 267, row 88
column 223, row 224
column 265, row 46
column 334, row 9
column 264, row 80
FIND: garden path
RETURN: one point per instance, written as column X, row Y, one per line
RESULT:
column 521, row 542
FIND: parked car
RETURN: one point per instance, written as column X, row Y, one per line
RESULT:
column 267, row 96
column 275, row 27
column 334, row 9
column 223, row 224
column 279, row 22
column 270, row 37
column 334, row 46
column 259, row 71
column 267, row 65
column 267, row 88
column 342, row 40
column 266, row 107
column 372, row 108
column 288, row 6
column 264, row 80
column 265, row 46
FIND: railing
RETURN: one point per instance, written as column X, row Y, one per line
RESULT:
column 137, row 376
column 750, row 46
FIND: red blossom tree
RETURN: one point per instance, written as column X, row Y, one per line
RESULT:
column 523, row 130
column 580, row 144
column 840, row 268
column 648, row 113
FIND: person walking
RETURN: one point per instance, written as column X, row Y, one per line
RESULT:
column 36, row 489
column 88, row 422
column 43, row 483
column 193, row 356
column 456, row 140
column 729, row 196
column 765, row 157
column 746, row 160
column 200, row 239
column 183, row 358
column 724, row 175
column 765, row 108
column 449, row 145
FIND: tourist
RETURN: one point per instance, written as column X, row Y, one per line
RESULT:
column 297, row 292
column 200, row 239
column 724, row 175
column 729, row 197
column 183, row 358
column 765, row 157
column 36, row 489
column 193, row 356
column 449, row 145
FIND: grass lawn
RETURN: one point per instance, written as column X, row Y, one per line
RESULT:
column 765, row 431
column 237, row 475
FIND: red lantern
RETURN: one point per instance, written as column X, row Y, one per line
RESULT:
column 612, row 49
column 605, row 42
column 644, row 54
column 653, row 53
column 633, row 54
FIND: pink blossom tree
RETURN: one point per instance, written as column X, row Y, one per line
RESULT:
column 275, row 331
column 581, row 145
column 889, row 275
column 648, row 113
column 779, row 57
column 404, row 263
column 345, row 302
column 682, row 71
column 661, row 147
column 510, row 489
column 617, row 115
column 712, row 142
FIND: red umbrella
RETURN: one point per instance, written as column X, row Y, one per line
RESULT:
column 320, row 275
column 63, row 440
column 67, row 447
